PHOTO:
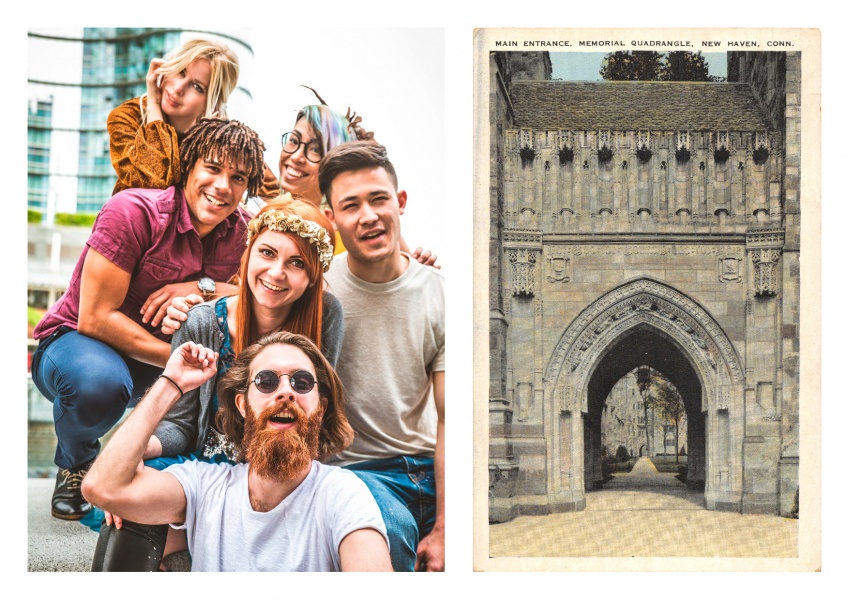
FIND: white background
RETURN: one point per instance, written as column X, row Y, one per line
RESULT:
column 448, row 160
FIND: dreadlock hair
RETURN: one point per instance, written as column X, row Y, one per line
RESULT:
column 335, row 431
column 306, row 313
column 224, row 141
column 330, row 127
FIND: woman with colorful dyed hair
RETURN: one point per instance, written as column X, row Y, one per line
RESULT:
column 317, row 130
column 281, row 289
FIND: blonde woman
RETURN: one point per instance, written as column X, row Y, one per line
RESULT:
column 193, row 82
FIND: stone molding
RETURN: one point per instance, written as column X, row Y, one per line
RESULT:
column 643, row 302
column 766, row 274
column 512, row 238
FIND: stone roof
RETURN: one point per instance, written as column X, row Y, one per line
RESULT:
column 625, row 105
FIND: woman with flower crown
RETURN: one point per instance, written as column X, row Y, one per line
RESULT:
column 281, row 289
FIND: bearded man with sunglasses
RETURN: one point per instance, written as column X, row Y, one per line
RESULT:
column 279, row 509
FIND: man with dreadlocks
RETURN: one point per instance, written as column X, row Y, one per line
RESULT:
column 99, row 349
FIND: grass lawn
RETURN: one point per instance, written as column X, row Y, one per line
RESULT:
column 668, row 464
column 622, row 467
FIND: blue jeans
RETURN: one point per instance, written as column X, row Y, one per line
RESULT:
column 90, row 385
column 404, row 489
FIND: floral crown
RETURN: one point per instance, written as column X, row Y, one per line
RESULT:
column 276, row 220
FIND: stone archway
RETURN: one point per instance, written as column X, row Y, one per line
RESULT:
column 643, row 344
column 649, row 321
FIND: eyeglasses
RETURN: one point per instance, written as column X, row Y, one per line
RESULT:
column 291, row 142
column 268, row 382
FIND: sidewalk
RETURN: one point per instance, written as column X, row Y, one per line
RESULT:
column 56, row 545
column 646, row 513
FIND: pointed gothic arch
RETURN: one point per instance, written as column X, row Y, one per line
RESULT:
column 646, row 311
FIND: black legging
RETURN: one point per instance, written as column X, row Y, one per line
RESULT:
column 133, row 547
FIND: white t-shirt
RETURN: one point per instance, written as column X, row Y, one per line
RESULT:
column 394, row 339
column 302, row 533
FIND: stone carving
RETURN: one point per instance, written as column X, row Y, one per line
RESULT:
column 766, row 274
column 729, row 270
column 559, row 268
column 655, row 249
column 522, row 272
column 645, row 300
column 765, row 238
column 521, row 237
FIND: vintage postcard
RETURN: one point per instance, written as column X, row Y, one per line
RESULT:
column 647, row 218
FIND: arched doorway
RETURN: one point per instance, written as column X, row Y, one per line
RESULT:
column 646, row 322
column 643, row 344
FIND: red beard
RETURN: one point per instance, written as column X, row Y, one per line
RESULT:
column 281, row 454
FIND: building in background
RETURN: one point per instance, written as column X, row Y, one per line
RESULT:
column 625, row 423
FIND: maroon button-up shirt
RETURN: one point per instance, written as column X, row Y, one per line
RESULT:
column 149, row 234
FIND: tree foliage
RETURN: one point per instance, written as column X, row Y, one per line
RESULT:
column 654, row 66
column 631, row 66
column 684, row 66
column 668, row 402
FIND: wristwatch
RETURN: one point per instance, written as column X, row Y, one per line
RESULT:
column 206, row 285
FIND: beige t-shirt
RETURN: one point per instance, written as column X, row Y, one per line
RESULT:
column 393, row 342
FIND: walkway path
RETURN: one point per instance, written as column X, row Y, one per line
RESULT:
column 645, row 513
column 643, row 474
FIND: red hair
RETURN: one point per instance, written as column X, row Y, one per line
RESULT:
column 306, row 314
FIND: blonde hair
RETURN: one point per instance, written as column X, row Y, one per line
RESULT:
column 224, row 73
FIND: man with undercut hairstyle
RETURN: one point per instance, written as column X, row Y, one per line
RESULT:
column 282, row 406
column 392, row 359
column 101, row 345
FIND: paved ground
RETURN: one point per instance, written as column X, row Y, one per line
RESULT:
column 642, row 513
column 645, row 513
column 56, row 545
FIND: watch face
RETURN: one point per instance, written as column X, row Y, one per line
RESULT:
column 206, row 284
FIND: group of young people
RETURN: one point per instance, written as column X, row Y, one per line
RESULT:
column 288, row 398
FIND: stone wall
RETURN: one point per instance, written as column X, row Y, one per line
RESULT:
column 693, row 257
column 529, row 66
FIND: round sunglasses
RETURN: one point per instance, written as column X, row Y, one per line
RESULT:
column 267, row 382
